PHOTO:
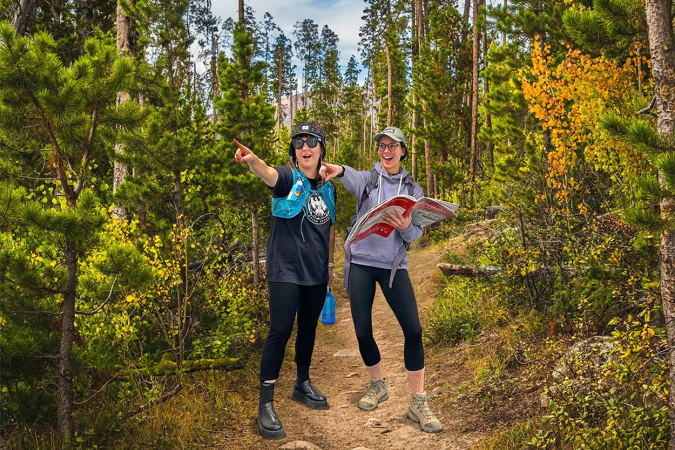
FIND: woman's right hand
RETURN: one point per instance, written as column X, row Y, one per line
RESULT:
column 243, row 153
column 329, row 171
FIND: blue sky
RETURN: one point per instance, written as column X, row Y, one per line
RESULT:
column 341, row 16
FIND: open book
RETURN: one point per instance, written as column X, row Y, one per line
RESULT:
column 424, row 211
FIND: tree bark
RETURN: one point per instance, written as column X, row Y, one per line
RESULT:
column 662, row 48
column 427, row 161
column 215, row 91
column 256, row 244
column 486, row 90
column 65, row 383
column 242, row 19
column 474, row 107
column 390, row 100
column 126, row 46
column 178, row 198
column 417, row 46
column 85, row 11
column 23, row 15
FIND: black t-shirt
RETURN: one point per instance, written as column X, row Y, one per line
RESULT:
column 297, row 251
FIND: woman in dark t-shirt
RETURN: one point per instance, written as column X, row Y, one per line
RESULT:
column 299, row 265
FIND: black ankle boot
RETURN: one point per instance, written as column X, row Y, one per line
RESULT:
column 268, row 422
column 308, row 394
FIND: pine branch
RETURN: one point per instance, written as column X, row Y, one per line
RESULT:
column 648, row 109
column 91, row 313
column 87, row 151
column 43, row 356
column 36, row 312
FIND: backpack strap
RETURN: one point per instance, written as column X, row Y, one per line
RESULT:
column 372, row 184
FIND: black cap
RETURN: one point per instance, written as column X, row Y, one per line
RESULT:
column 311, row 129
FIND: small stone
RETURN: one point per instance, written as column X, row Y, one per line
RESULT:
column 373, row 422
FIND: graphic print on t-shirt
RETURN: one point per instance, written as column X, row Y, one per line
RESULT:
column 316, row 209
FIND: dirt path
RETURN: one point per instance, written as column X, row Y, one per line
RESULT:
column 338, row 370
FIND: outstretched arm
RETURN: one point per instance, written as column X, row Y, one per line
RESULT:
column 256, row 165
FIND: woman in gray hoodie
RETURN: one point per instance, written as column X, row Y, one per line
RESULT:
column 381, row 260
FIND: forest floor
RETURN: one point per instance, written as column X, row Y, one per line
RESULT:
column 338, row 371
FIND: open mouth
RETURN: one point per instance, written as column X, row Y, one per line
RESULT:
column 388, row 158
column 307, row 157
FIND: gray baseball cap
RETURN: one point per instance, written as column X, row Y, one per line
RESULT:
column 397, row 135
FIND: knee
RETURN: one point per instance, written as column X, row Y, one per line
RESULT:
column 364, row 335
column 280, row 332
column 414, row 335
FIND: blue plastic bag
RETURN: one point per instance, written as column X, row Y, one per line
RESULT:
column 328, row 311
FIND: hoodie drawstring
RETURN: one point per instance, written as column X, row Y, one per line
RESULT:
column 379, row 186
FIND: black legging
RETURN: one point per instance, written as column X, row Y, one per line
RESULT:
column 285, row 300
column 401, row 299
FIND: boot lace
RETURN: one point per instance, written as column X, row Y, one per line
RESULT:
column 423, row 407
column 374, row 389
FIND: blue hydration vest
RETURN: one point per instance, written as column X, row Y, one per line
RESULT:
column 286, row 208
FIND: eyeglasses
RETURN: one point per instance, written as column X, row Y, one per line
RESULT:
column 299, row 143
column 382, row 147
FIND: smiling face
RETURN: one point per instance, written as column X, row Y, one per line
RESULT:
column 308, row 158
column 390, row 158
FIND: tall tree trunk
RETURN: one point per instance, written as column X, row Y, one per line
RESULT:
column 427, row 161
column 417, row 47
column 486, row 90
column 65, row 384
column 280, row 83
column 474, row 106
column 506, row 8
column 23, row 16
column 178, row 198
column 390, row 100
column 467, row 10
column 662, row 48
column 255, row 235
column 126, row 46
column 242, row 19
column 85, row 11
column 215, row 90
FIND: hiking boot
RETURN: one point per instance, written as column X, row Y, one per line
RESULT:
column 268, row 422
column 376, row 394
column 308, row 394
column 419, row 412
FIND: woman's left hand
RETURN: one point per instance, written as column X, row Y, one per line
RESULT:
column 396, row 219
column 330, row 275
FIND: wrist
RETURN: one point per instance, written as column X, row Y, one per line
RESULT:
column 342, row 173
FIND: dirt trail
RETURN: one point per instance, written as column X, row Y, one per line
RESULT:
column 337, row 369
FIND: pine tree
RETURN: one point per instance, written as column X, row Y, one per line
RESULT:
column 282, row 79
column 325, row 90
column 307, row 45
column 440, row 78
column 246, row 116
column 55, row 122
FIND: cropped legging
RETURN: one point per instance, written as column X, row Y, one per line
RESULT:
column 401, row 300
column 285, row 300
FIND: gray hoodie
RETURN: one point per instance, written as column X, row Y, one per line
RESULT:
column 377, row 251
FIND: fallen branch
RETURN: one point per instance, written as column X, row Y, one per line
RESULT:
column 168, row 367
column 489, row 272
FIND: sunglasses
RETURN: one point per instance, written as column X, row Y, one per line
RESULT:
column 299, row 143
